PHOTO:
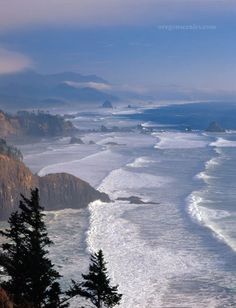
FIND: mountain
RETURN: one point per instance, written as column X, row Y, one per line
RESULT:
column 29, row 89
column 57, row 191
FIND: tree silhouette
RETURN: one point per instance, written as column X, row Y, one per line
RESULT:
column 32, row 277
column 96, row 285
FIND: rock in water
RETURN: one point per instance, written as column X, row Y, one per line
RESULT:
column 62, row 190
column 107, row 104
column 214, row 127
column 76, row 140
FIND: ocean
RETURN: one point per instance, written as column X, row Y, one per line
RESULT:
column 179, row 248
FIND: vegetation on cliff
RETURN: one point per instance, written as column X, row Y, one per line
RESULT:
column 34, row 124
column 10, row 151
column 43, row 124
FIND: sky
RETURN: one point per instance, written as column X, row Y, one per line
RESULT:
column 137, row 44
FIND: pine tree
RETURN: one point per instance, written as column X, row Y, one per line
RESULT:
column 12, row 258
column 33, row 278
column 96, row 285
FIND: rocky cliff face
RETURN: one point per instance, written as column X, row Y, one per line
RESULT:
column 6, row 127
column 15, row 178
column 57, row 191
column 30, row 124
column 62, row 190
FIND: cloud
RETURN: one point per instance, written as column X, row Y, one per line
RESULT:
column 13, row 62
column 94, row 85
column 17, row 13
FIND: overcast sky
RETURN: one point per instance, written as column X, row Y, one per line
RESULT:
column 185, row 43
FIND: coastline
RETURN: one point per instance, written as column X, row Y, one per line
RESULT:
column 162, row 235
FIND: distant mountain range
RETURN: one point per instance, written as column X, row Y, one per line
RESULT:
column 30, row 89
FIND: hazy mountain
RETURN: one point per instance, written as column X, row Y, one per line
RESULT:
column 30, row 89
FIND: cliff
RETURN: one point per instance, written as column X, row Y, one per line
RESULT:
column 57, row 191
column 10, row 151
column 6, row 127
column 15, row 178
column 32, row 124
column 62, row 190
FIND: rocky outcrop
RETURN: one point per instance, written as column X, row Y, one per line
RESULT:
column 76, row 140
column 135, row 200
column 63, row 190
column 57, row 191
column 15, row 178
column 107, row 104
column 215, row 127
column 6, row 126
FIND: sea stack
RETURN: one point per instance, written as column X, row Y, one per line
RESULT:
column 107, row 104
column 215, row 127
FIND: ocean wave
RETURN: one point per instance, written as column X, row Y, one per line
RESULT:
column 213, row 219
column 116, row 185
column 124, row 249
column 202, row 213
column 178, row 140
column 215, row 161
column 140, row 162
column 223, row 143
column 204, row 176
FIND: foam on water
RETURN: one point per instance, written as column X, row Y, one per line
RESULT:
column 209, row 165
column 67, row 230
column 204, row 211
column 148, row 247
column 145, row 271
column 140, row 162
column 130, row 264
column 123, row 182
column 223, row 143
column 210, row 218
column 203, row 176
column 212, row 163
column 178, row 140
